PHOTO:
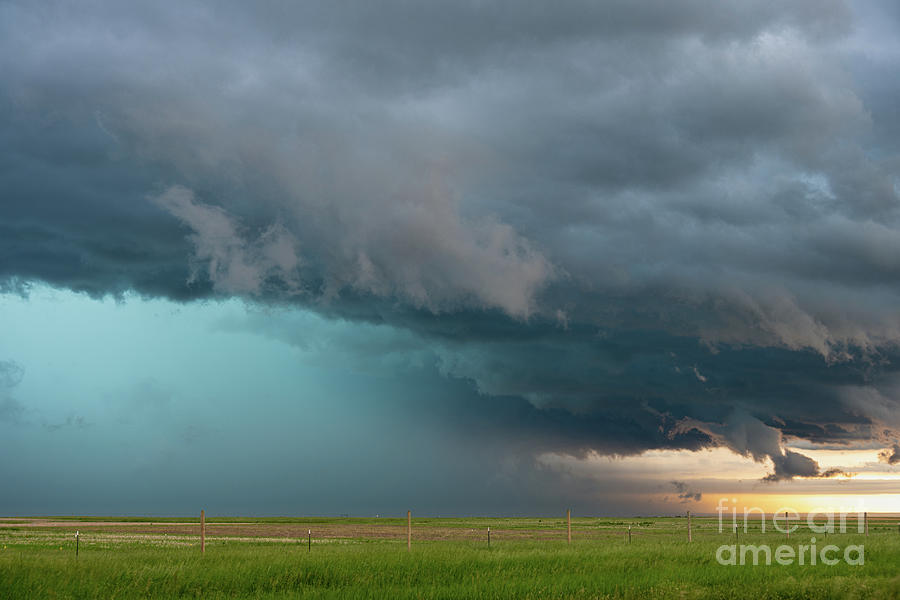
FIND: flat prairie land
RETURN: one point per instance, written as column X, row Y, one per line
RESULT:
column 450, row 558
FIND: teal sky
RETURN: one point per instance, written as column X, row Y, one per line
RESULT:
column 153, row 407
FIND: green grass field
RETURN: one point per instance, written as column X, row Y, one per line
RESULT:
column 528, row 558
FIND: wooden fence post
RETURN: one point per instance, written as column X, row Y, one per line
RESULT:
column 787, row 526
column 866, row 519
column 408, row 530
column 690, row 535
column 202, row 531
column 489, row 537
column 569, row 525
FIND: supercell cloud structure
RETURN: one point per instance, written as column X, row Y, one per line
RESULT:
column 629, row 225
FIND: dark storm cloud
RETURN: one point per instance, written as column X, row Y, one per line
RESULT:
column 685, row 494
column 890, row 455
column 632, row 225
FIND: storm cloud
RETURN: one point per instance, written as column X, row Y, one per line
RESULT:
column 685, row 494
column 629, row 225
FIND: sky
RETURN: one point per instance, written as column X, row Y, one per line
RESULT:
column 462, row 258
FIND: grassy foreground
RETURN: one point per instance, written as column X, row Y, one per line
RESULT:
column 656, row 564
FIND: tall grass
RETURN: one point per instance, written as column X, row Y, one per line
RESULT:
column 649, row 567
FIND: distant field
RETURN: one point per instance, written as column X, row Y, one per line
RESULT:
column 450, row 558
